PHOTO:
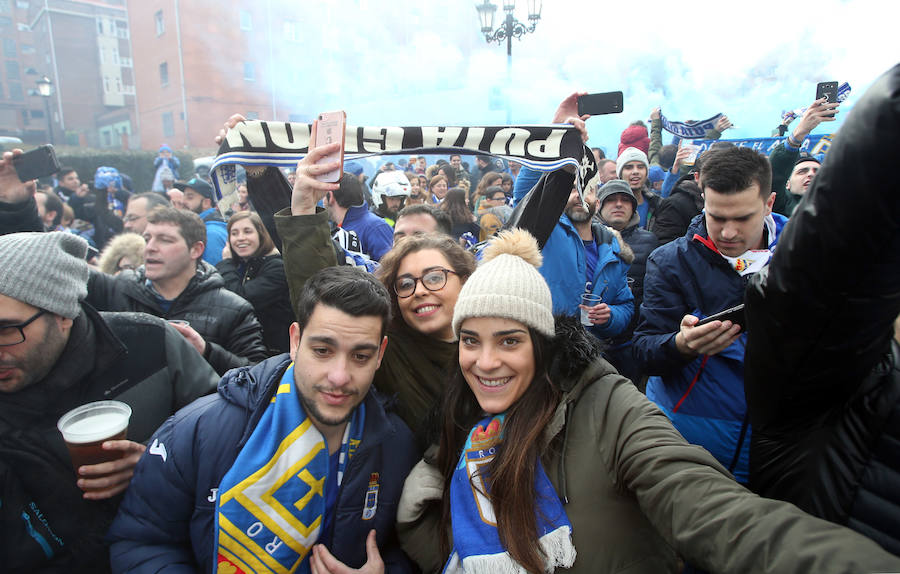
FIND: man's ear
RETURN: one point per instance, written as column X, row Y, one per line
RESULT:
column 197, row 249
column 770, row 203
column 295, row 333
column 381, row 349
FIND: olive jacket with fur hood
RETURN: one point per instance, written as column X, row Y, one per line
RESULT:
column 637, row 494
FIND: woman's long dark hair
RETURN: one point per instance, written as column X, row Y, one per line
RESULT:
column 512, row 470
column 455, row 205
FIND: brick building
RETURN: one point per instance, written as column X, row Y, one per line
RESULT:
column 83, row 46
column 22, row 111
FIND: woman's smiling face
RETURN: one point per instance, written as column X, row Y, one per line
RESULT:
column 496, row 357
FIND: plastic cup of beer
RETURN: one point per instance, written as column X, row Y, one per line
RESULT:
column 87, row 427
column 588, row 300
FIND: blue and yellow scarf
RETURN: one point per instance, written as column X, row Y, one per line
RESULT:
column 476, row 542
column 272, row 500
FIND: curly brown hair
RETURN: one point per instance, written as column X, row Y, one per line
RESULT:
column 461, row 261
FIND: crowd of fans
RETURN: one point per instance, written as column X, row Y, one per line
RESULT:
column 465, row 364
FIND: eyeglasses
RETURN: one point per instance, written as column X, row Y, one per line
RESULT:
column 433, row 279
column 15, row 334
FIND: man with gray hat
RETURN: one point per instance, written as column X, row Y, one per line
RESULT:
column 200, row 198
column 633, row 167
column 618, row 209
column 56, row 353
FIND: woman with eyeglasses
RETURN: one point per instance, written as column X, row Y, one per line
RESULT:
column 423, row 274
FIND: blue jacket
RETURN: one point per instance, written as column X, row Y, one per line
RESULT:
column 687, row 277
column 565, row 267
column 167, row 519
column 216, row 235
column 375, row 234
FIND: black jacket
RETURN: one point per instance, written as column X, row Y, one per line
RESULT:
column 225, row 320
column 19, row 217
column 822, row 372
column 674, row 213
column 134, row 358
column 262, row 282
column 642, row 243
column 168, row 516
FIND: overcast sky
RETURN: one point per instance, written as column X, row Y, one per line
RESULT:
column 425, row 62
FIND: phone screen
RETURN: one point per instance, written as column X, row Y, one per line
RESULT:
column 735, row 315
column 600, row 104
column 330, row 128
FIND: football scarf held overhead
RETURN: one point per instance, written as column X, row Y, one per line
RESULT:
column 476, row 542
column 689, row 130
column 279, row 144
column 272, row 500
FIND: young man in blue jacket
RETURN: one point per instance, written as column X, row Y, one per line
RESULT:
column 698, row 370
column 294, row 463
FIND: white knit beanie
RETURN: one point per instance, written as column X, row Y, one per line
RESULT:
column 45, row 270
column 507, row 285
column 630, row 154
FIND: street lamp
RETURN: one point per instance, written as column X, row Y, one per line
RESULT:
column 44, row 86
column 510, row 28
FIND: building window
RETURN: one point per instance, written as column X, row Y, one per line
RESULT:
column 252, row 115
column 121, row 29
column 164, row 73
column 12, row 70
column 246, row 20
column 9, row 48
column 5, row 7
column 291, row 33
column 249, row 71
column 160, row 24
column 27, row 49
column 36, row 114
column 105, row 84
column 6, row 22
column 15, row 92
column 99, row 27
column 118, row 85
column 168, row 125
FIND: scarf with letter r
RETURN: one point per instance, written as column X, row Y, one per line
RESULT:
column 279, row 144
column 476, row 542
column 272, row 500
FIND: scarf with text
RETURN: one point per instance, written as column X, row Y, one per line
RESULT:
column 689, row 130
column 272, row 500
column 279, row 144
column 476, row 542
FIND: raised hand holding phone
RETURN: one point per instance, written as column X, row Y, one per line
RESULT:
column 331, row 128
column 308, row 189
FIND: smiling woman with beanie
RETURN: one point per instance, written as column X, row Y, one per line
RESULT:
column 549, row 459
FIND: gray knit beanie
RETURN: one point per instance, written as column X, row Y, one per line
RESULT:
column 45, row 270
column 507, row 285
column 630, row 154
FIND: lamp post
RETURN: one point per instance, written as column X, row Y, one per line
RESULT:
column 509, row 28
column 44, row 86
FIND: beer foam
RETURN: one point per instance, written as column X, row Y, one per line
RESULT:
column 95, row 427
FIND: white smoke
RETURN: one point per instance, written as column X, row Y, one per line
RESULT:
column 426, row 63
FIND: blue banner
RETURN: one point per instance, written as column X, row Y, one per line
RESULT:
column 816, row 145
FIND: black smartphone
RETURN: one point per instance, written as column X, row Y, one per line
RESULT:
column 39, row 162
column 600, row 104
column 735, row 315
column 827, row 90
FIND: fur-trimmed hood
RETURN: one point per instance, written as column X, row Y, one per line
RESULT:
column 603, row 233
